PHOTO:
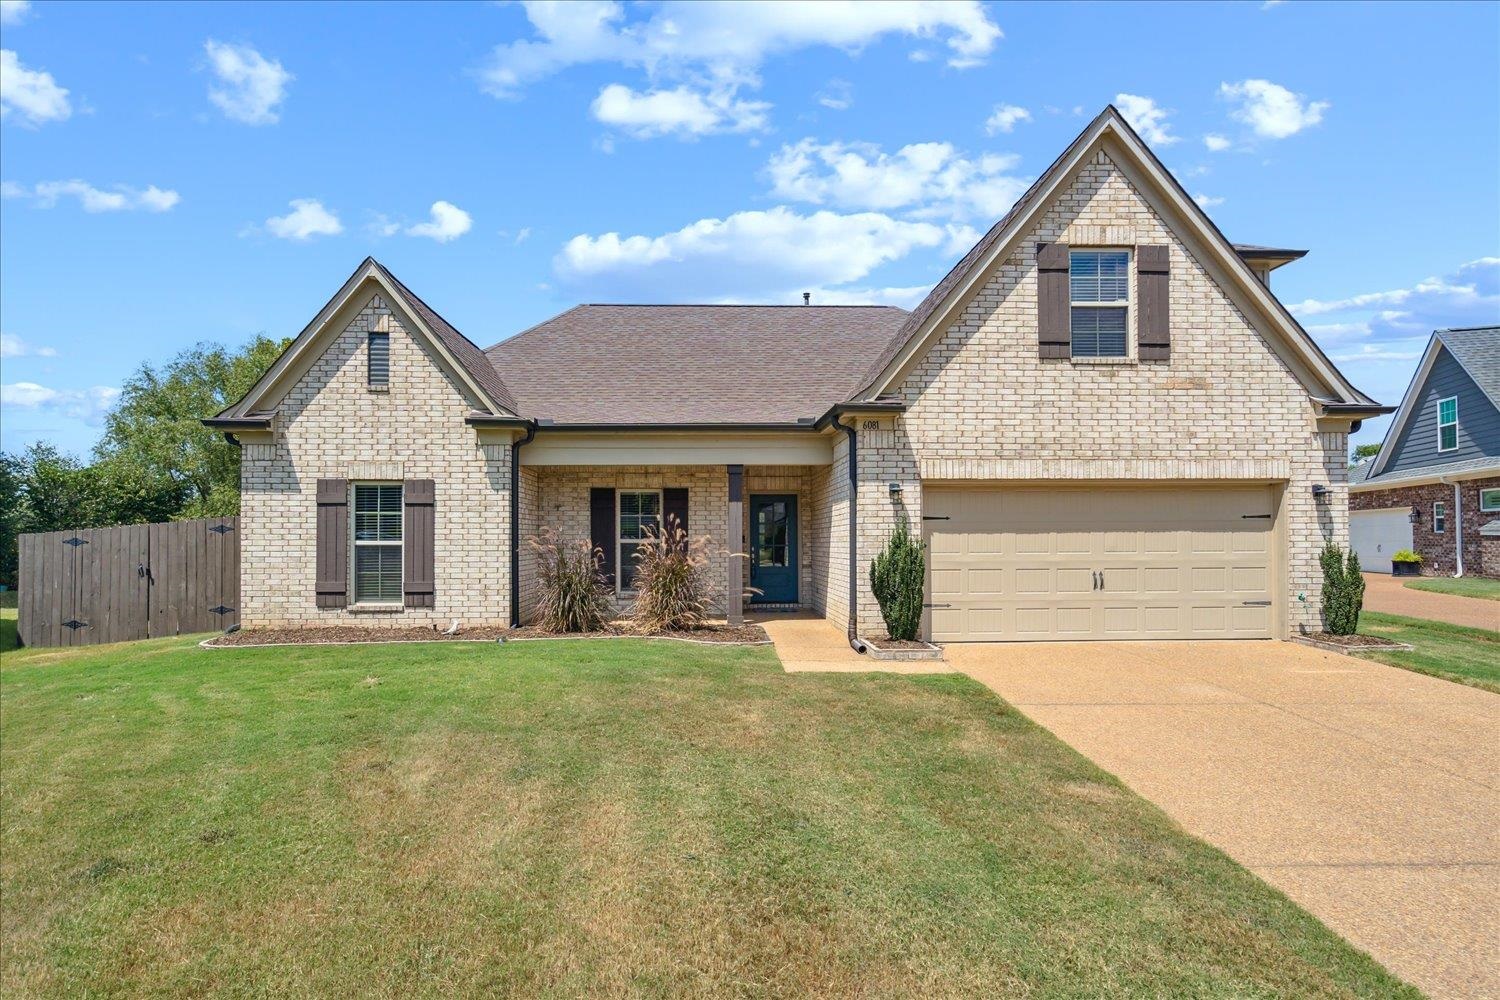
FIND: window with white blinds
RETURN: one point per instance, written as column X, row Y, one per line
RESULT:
column 379, row 351
column 1099, row 294
column 377, row 543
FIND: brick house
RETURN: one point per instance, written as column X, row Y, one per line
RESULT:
column 1435, row 486
column 1101, row 421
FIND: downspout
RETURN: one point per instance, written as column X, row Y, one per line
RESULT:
column 1458, row 527
column 515, row 523
column 854, row 640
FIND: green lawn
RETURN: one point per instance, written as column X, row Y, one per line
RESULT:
column 1468, row 586
column 1467, row 655
column 584, row 818
column 8, row 639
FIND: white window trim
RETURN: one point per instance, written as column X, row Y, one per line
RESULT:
column 1489, row 508
column 353, row 542
column 1439, row 518
column 621, row 541
column 1441, row 425
column 1127, row 303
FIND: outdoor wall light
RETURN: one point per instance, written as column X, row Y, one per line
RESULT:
column 1415, row 517
column 1319, row 491
column 894, row 488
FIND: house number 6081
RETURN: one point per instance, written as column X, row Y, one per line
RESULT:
column 872, row 425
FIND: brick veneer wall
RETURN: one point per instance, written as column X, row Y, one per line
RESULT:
column 1439, row 551
column 331, row 425
column 982, row 405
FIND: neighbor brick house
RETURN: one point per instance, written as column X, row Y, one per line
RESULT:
column 1102, row 422
column 1435, row 486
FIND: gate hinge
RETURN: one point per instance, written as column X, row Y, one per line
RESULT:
column 75, row 624
column 75, row 541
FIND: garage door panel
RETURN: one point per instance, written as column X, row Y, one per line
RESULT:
column 1021, row 563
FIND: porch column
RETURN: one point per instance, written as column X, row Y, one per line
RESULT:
column 734, row 540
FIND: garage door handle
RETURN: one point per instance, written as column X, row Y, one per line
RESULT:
column 1256, row 604
column 1255, row 517
column 937, row 605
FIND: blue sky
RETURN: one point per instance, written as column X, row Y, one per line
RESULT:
column 179, row 173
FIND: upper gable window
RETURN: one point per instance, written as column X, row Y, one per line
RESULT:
column 1099, row 292
column 1447, row 423
column 379, row 360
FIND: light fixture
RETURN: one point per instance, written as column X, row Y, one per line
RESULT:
column 1319, row 491
column 1415, row 517
column 894, row 488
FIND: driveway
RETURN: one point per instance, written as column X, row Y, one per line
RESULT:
column 1364, row 792
column 1390, row 595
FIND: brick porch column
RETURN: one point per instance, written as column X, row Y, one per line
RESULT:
column 734, row 539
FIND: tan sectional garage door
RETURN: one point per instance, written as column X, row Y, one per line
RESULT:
column 1100, row 562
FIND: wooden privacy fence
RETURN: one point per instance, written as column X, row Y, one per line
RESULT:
column 138, row 581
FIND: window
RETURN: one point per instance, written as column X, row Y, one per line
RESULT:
column 640, row 514
column 1489, row 501
column 1099, row 290
column 1439, row 518
column 377, row 543
column 379, row 352
column 1448, row 423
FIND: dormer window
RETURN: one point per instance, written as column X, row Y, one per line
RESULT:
column 1447, row 423
column 1099, row 294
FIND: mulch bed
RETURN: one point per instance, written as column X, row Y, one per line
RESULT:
column 354, row 634
column 1355, row 641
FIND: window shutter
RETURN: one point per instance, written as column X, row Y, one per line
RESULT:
column 1053, row 329
column 333, row 543
column 674, row 507
column 418, row 496
column 1153, row 292
column 603, row 529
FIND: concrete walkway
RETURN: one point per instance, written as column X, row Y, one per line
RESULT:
column 1365, row 793
column 806, row 642
column 1390, row 595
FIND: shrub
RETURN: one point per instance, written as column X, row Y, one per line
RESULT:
column 672, row 582
column 896, row 579
column 1407, row 555
column 574, row 597
column 1343, row 590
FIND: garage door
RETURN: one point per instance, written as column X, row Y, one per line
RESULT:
column 1105, row 562
column 1375, row 535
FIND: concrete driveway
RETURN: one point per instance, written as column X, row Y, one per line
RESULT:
column 1364, row 792
column 1390, row 595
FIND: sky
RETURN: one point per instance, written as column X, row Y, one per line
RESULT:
column 171, row 174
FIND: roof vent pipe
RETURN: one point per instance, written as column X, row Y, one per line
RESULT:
column 807, row 298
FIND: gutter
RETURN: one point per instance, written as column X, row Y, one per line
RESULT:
column 515, row 523
column 854, row 640
column 1458, row 527
column 228, row 425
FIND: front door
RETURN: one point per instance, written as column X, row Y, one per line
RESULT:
column 773, row 549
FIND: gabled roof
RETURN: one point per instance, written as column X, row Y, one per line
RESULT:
column 466, row 359
column 960, row 282
column 692, row 364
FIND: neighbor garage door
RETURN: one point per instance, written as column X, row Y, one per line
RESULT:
column 1100, row 562
column 1375, row 535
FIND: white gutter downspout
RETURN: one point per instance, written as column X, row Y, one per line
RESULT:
column 1458, row 527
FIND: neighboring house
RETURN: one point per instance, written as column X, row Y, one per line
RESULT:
column 1101, row 421
column 1435, row 486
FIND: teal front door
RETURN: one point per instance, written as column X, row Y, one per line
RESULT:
column 773, row 549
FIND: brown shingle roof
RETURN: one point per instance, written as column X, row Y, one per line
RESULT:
column 692, row 364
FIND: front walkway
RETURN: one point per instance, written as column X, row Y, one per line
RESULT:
column 1365, row 793
column 1389, row 595
column 806, row 642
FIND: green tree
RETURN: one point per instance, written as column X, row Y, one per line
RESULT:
column 896, row 580
column 154, row 446
column 1364, row 451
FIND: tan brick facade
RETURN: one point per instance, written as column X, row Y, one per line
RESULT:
column 331, row 425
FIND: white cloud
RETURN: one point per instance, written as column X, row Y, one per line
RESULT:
column 681, row 111
column 12, row 346
column 88, row 405
column 308, row 218
column 381, row 226
column 746, row 255
column 1005, row 118
column 1477, row 284
column 1371, row 352
column 14, row 12
column 906, row 298
column 1147, row 118
column 1271, row 4
column 927, row 179
column 838, row 95
column 251, row 85
column 30, row 97
column 1271, row 111
column 448, row 222
column 1207, row 201
column 1216, row 143
column 522, row 235
column 119, row 198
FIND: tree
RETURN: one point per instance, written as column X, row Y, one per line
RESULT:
column 1343, row 590
column 896, row 580
column 154, row 446
column 1364, row 451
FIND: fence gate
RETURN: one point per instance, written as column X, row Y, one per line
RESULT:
column 137, row 581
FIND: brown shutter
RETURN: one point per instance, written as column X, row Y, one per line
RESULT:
column 418, row 495
column 1053, row 323
column 1153, row 293
column 602, row 528
column 674, row 507
column 333, row 543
